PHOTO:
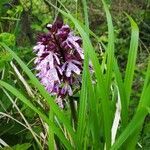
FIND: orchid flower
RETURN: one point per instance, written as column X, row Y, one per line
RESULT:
column 59, row 60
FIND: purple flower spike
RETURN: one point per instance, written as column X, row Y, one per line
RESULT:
column 59, row 60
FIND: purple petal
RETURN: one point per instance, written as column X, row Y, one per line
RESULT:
column 39, row 46
column 64, row 66
column 70, row 41
column 42, row 65
column 50, row 60
column 52, row 75
column 71, row 67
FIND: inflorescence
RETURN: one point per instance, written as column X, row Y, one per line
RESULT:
column 59, row 60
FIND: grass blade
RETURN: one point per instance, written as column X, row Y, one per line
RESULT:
column 147, row 79
column 85, row 13
column 143, row 103
column 51, row 141
column 110, row 48
column 82, row 106
column 131, row 58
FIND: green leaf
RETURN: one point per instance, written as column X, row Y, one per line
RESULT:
column 83, row 105
column 144, row 103
column 131, row 58
column 110, row 48
column 51, row 141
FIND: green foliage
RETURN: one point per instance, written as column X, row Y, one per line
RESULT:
column 3, row 9
column 104, row 116
column 4, row 58
column 4, row 103
column 24, row 146
column 8, row 38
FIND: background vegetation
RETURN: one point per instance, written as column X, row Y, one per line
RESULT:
column 36, row 122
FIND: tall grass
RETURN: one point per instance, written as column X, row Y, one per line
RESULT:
column 95, row 114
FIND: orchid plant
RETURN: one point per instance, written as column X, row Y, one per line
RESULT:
column 59, row 59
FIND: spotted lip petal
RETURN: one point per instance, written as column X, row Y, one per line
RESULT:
column 59, row 60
